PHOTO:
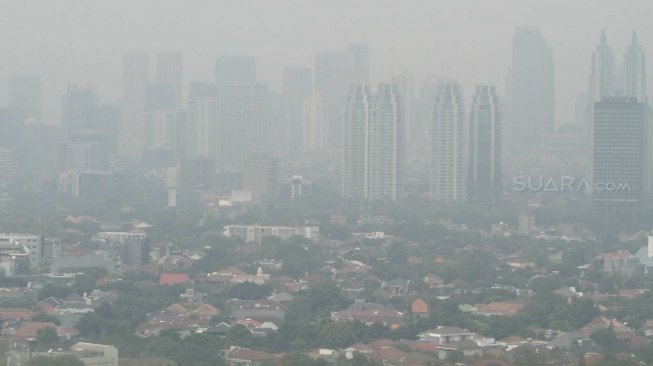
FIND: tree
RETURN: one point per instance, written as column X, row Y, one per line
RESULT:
column 247, row 291
column 47, row 338
column 335, row 335
column 51, row 290
column 606, row 338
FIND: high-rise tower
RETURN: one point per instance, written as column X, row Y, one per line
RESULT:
column 448, row 145
column 485, row 144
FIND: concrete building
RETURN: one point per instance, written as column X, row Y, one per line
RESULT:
column 135, row 78
column 169, row 74
column 256, row 233
column 295, row 187
column 448, row 145
column 25, row 95
column 374, row 144
column 620, row 156
column 533, row 92
column 485, row 137
column 203, row 127
column 261, row 176
column 92, row 354
column 243, row 116
column 230, row 69
column 34, row 243
column 634, row 68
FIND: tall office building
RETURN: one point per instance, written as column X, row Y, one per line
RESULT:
column 235, row 70
column 602, row 78
column 25, row 95
column 261, row 176
column 332, row 84
column 203, row 129
column 12, row 127
column 485, row 144
column 448, row 145
column 297, row 86
column 314, row 127
column 169, row 74
column 355, row 142
column 406, row 88
column 8, row 166
column 162, row 130
column 373, row 158
column 79, row 109
column 634, row 72
column 243, row 116
column 335, row 72
column 532, row 86
column 359, row 63
column 620, row 156
column 134, row 103
column 386, row 161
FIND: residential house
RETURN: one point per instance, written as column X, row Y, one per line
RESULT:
column 446, row 334
column 237, row 356
column 370, row 313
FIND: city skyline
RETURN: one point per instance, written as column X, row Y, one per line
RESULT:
column 432, row 54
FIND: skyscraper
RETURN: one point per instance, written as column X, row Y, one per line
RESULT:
column 406, row 84
column 634, row 69
column 602, row 79
column 386, row 161
column 169, row 74
column 203, row 128
column 354, row 137
column 485, row 144
column 620, row 156
column 359, row 63
column 373, row 159
column 25, row 95
column 79, row 109
column 448, row 145
column 260, row 176
column 313, row 124
column 235, row 70
column 135, row 79
column 332, row 84
column 532, row 83
column 297, row 86
column 243, row 118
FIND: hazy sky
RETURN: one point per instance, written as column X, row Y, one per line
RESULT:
column 81, row 41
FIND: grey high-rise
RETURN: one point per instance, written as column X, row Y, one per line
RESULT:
column 532, row 83
column 135, row 78
column 374, row 143
column 235, row 70
column 620, row 156
column 25, row 95
column 169, row 75
column 448, row 145
column 485, row 121
column 634, row 69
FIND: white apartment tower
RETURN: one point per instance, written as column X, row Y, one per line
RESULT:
column 485, row 121
column 374, row 148
column 448, row 145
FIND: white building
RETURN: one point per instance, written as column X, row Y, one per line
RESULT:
column 34, row 243
column 256, row 233
column 92, row 354
column 448, row 145
column 374, row 143
column 485, row 144
column 203, row 125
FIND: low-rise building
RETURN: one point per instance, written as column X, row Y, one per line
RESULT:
column 256, row 233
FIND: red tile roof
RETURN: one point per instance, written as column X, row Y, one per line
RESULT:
column 173, row 278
